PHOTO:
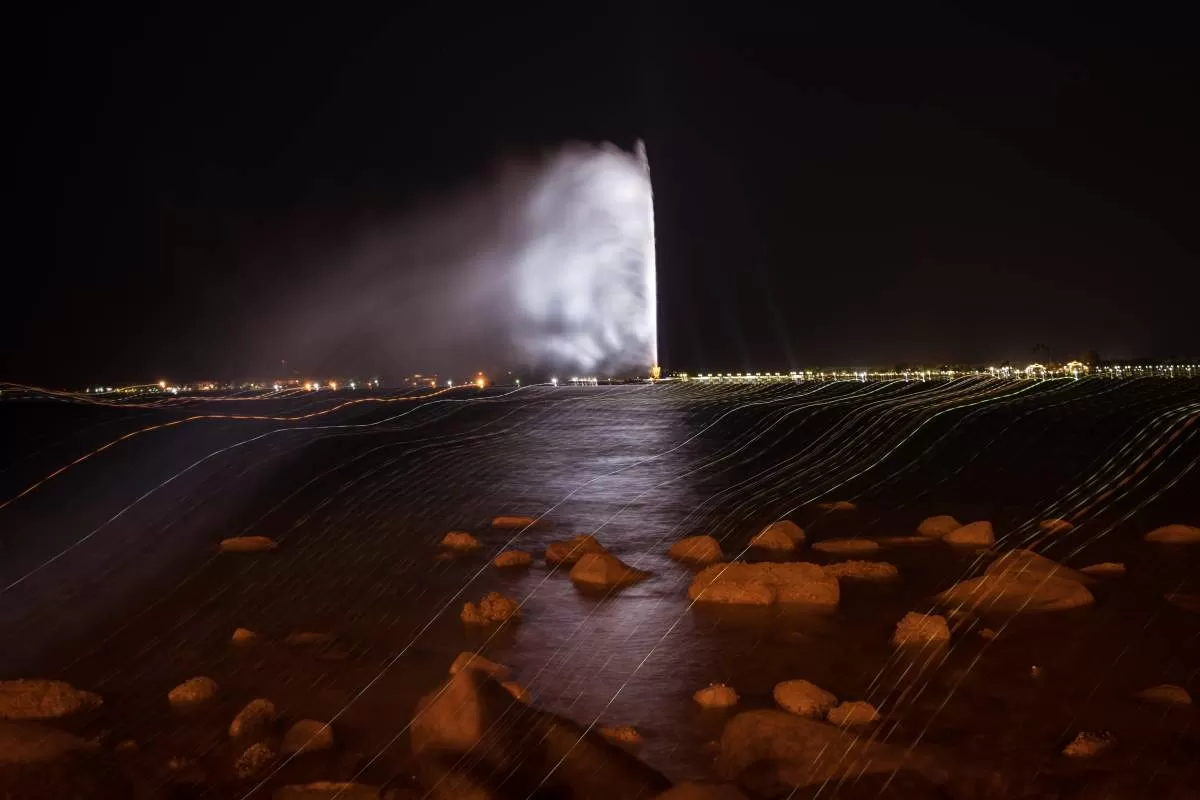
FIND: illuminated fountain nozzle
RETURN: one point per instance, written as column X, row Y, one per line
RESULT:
column 655, row 372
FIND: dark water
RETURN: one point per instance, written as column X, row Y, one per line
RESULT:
column 113, row 582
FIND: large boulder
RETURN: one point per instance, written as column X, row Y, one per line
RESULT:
column 1027, row 562
column 571, row 550
column 843, row 547
column 1008, row 592
column 917, row 629
column 604, row 571
column 763, row 584
column 974, row 534
column 939, row 526
column 1174, row 534
column 472, row 740
column 697, row 550
column 247, row 544
column 493, row 609
column 837, row 505
column 874, row 571
column 804, row 698
column 799, row 752
column 30, row 699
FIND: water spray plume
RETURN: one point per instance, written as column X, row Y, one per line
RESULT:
column 546, row 266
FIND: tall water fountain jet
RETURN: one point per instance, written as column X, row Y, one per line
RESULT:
column 651, row 264
column 587, row 286
column 548, row 266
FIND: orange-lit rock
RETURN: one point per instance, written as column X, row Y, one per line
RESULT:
column 804, row 698
column 876, row 571
column 1174, row 534
column 604, row 571
column 763, row 584
column 697, row 550
column 247, row 544
column 460, row 542
column 939, row 526
column 35, row 699
column 974, row 534
column 846, row 546
column 513, row 558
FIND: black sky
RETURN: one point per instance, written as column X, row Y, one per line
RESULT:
column 841, row 187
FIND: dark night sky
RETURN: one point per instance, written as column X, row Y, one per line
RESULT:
column 841, row 188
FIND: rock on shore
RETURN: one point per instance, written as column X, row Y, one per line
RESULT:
column 939, row 526
column 247, row 544
column 516, row 750
column 254, row 721
column 460, row 542
column 604, row 571
column 1029, row 563
column 32, row 699
column 193, row 692
column 846, row 546
column 874, row 571
column 716, row 695
column 916, row 629
column 493, row 608
column 697, row 550
column 513, row 558
column 1174, row 534
column 804, row 698
column 974, row 534
column 764, row 584
column 1010, row 591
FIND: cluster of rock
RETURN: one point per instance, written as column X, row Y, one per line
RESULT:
column 951, row 531
column 810, row 701
column 493, row 609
